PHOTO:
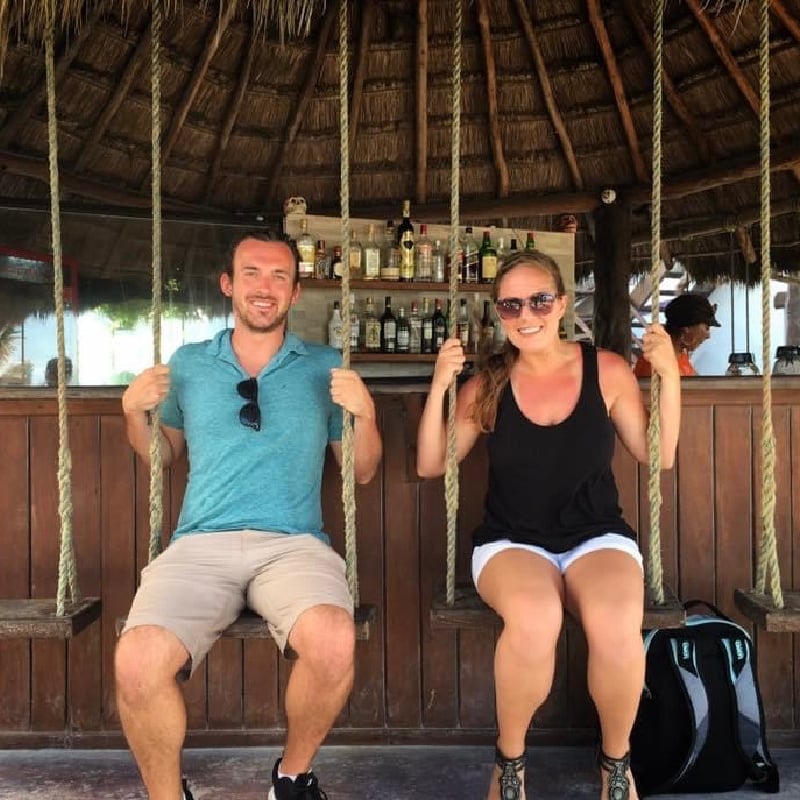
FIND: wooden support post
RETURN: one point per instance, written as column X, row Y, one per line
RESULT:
column 791, row 24
column 422, row 101
column 360, row 74
column 612, row 249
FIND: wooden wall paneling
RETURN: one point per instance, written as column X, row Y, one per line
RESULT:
column 794, row 449
column 85, row 650
column 118, row 548
column 695, row 485
column 626, row 476
column 581, row 713
column 775, row 650
column 733, row 505
column 402, row 581
column 15, row 655
column 225, row 667
column 667, row 529
column 476, row 647
column 48, row 657
column 143, row 513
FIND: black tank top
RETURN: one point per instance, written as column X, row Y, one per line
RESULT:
column 552, row 485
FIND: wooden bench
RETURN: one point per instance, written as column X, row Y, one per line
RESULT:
column 37, row 619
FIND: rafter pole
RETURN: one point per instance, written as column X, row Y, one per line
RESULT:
column 632, row 8
column 779, row 9
column 422, row 101
column 121, row 90
column 23, row 112
column 312, row 76
column 232, row 113
column 360, row 74
column 548, row 94
column 615, row 77
column 501, row 168
column 213, row 39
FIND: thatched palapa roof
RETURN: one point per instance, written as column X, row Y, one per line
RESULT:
column 556, row 106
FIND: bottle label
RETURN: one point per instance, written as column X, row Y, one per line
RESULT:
column 372, row 263
column 489, row 268
column 372, row 336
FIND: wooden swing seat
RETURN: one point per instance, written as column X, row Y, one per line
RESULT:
column 250, row 626
column 37, row 619
column 760, row 609
column 468, row 611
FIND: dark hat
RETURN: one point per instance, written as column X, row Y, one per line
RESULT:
column 690, row 309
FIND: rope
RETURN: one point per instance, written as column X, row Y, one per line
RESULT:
column 451, row 460
column 655, row 575
column 348, row 460
column 67, row 570
column 768, row 549
column 156, row 474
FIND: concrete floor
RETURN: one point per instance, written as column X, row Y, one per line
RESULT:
column 346, row 773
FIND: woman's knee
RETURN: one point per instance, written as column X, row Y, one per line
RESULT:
column 614, row 633
column 324, row 638
column 145, row 658
column 532, row 628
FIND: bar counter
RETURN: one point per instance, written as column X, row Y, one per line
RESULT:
column 413, row 684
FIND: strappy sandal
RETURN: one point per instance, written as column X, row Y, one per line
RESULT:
column 619, row 785
column 510, row 783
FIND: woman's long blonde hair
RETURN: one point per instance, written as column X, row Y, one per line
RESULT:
column 495, row 370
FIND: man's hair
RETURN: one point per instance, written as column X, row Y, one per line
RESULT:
column 265, row 235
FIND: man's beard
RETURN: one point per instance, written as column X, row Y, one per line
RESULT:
column 276, row 324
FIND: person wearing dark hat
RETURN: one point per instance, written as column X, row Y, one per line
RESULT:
column 688, row 320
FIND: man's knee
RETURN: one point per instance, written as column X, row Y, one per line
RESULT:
column 324, row 638
column 147, row 657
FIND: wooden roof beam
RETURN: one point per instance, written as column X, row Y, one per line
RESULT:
column 198, row 75
column 615, row 77
column 119, row 94
column 779, row 9
column 632, row 8
column 501, row 168
column 360, row 74
column 312, row 77
column 22, row 113
column 422, row 102
column 232, row 113
column 548, row 94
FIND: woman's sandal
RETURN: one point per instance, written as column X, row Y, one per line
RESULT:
column 510, row 782
column 619, row 785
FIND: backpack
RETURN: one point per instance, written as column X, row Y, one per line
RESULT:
column 700, row 724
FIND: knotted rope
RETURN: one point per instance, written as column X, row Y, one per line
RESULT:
column 67, row 570
column 451, row 459
column 348, row 459
column 655, row 575
column 768, row 546
column 156, row 475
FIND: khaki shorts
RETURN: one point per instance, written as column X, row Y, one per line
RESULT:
column 198, row 586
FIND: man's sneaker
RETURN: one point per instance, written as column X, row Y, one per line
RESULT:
column 304, row 787
column 187, row 795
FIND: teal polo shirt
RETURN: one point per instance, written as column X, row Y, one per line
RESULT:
column 239, row 478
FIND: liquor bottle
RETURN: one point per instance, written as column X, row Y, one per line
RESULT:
column 306, row 251
column 336, row 263
column 405, row 240
column 423, row 271
column 372, row 329
column 403, row 332
column 438, row 263
column 427, row 327
column 475, row 327
column 335, row 327
column 439, row 326
column 388, row 328
column 372, row 257
column 530, row 243
column 487, row 328
column 355, row 326
column 415, row 330
column 488, row 257
column 322, row 267
column 470, row 257
column 513, row 248
column 355, row 257
column 390, row 256
column 463, row 325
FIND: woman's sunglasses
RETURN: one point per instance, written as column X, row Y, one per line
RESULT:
column 250, row 413
column 540, row 304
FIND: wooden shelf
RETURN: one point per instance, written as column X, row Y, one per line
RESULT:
column 401, row 358
column 395, row 286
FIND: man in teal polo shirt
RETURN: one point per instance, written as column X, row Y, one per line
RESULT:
column 255, row 408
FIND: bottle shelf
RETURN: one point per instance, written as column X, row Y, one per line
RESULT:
column 402, row 358
column 395, row 286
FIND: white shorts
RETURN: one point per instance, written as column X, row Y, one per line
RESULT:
column 561, row 561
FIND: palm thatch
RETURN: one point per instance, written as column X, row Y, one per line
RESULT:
column 251, row 115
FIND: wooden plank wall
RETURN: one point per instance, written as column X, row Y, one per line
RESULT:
column 412, row 684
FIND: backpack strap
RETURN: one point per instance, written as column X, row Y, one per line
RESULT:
column 750, row 728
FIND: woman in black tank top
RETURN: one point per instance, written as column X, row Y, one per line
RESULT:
column 553, row 537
